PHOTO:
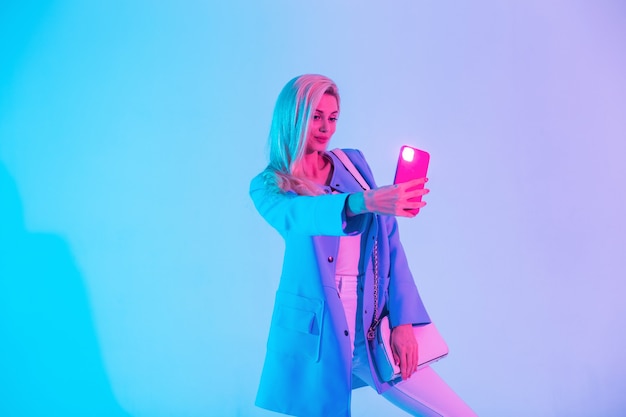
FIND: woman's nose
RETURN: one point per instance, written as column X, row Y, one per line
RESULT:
column 324, row 126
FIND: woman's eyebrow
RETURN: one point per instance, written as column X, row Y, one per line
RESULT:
column 320, row 111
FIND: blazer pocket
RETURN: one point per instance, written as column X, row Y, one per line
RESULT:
column 296, row 327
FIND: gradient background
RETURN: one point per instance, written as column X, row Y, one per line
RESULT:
column 137, row 279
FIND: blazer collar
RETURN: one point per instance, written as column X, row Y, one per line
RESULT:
column 341, row 179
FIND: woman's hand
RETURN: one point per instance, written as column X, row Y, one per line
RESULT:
column 404, row 348
column 394, row 200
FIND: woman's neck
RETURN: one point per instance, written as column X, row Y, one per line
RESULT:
column 317, row 167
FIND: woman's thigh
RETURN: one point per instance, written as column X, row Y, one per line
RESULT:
column 425, row 393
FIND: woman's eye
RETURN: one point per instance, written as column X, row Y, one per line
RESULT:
column 316, row 117
column 333, row 119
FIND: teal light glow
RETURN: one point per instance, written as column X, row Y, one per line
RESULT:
column 136, row 278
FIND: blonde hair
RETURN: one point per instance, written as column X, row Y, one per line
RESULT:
column 294, row 108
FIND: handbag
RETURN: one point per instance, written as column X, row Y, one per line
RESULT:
column 431, row 346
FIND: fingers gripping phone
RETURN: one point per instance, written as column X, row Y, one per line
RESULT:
column 412, row 164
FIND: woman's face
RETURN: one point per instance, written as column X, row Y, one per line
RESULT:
column 323, row 125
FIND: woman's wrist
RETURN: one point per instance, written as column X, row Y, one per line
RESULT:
column 356, row 204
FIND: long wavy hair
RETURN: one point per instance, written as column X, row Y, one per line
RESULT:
column 294, row 109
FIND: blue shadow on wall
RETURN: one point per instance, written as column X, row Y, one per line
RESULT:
column 50, row 361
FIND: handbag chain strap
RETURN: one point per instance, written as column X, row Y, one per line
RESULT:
column 371, row 332
column 347, row 163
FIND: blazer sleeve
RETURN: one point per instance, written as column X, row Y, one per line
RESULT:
column 289, row 212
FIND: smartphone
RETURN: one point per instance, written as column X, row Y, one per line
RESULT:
column 412, row 164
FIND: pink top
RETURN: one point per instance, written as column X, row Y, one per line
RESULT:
column 348, row 256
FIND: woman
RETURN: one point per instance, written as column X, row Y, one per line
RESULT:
column 317, row 351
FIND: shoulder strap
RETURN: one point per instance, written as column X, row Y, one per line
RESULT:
column 341, row 155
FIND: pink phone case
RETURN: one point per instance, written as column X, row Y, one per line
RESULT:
column 412, row 164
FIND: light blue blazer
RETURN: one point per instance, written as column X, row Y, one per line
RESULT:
column 307, row 369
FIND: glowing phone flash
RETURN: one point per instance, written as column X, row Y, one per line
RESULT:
column 408, row 154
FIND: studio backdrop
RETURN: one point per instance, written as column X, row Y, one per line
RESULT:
column 137, row 279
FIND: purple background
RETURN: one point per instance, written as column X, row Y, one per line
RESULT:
column 137, row 279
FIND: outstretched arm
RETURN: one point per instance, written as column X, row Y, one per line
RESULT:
column 393, row 200
column 310, row 215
